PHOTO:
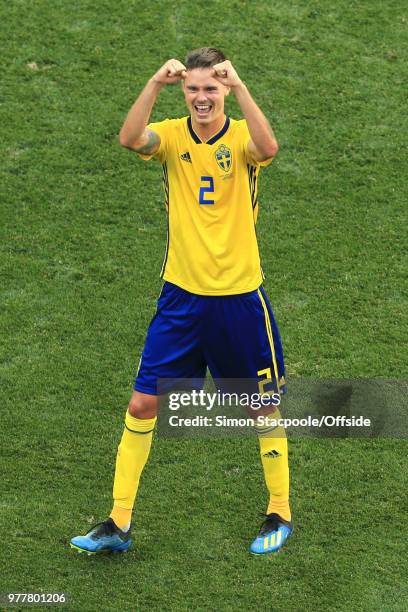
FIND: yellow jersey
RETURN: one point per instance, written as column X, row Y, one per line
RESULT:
column 211, row 200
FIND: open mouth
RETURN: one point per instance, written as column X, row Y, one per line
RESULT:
column 202, row 110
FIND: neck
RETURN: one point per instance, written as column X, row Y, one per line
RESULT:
column 206, row 131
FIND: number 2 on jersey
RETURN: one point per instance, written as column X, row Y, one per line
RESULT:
column 204, row 189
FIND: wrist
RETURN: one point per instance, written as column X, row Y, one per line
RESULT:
column 155, row 83
column 240, row 86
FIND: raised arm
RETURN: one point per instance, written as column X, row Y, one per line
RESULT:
column 263, row 144
column 134, row 134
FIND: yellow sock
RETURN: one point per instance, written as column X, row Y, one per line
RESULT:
column 121, row 516
column 274, row 456
column 132, row 455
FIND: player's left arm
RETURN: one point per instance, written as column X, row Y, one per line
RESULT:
column 263, row 144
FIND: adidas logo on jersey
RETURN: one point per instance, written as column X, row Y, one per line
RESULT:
column 273, row 454
column 186, row 157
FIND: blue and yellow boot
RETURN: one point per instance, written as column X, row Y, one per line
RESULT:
column 103, row 537
column 272, row 535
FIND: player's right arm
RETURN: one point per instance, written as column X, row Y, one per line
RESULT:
column 134, row 134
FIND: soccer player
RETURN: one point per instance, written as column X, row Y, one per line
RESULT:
column 212, row 311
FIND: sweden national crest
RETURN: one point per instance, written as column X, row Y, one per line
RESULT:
column 223, row 157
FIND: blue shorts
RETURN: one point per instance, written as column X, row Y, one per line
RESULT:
column 235, row 336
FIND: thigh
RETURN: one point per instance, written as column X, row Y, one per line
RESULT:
column 173, row 343
column 243, row 341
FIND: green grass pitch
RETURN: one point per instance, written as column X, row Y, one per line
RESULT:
column 82, row 233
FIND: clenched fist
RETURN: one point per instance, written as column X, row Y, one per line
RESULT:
column 171, row 72
column 226, row 74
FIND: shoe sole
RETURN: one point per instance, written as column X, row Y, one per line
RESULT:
column 270, row 552
column 106, row 551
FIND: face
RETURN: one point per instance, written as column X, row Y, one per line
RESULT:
column 204, row 96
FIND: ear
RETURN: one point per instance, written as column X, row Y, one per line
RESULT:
column 227, row 90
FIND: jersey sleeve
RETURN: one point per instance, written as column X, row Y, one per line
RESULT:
column 163, row 129
column 245, row 137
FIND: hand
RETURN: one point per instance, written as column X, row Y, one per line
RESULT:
column 226, row 74
column 171, row 72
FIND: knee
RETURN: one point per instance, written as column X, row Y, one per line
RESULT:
column 143, row 406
